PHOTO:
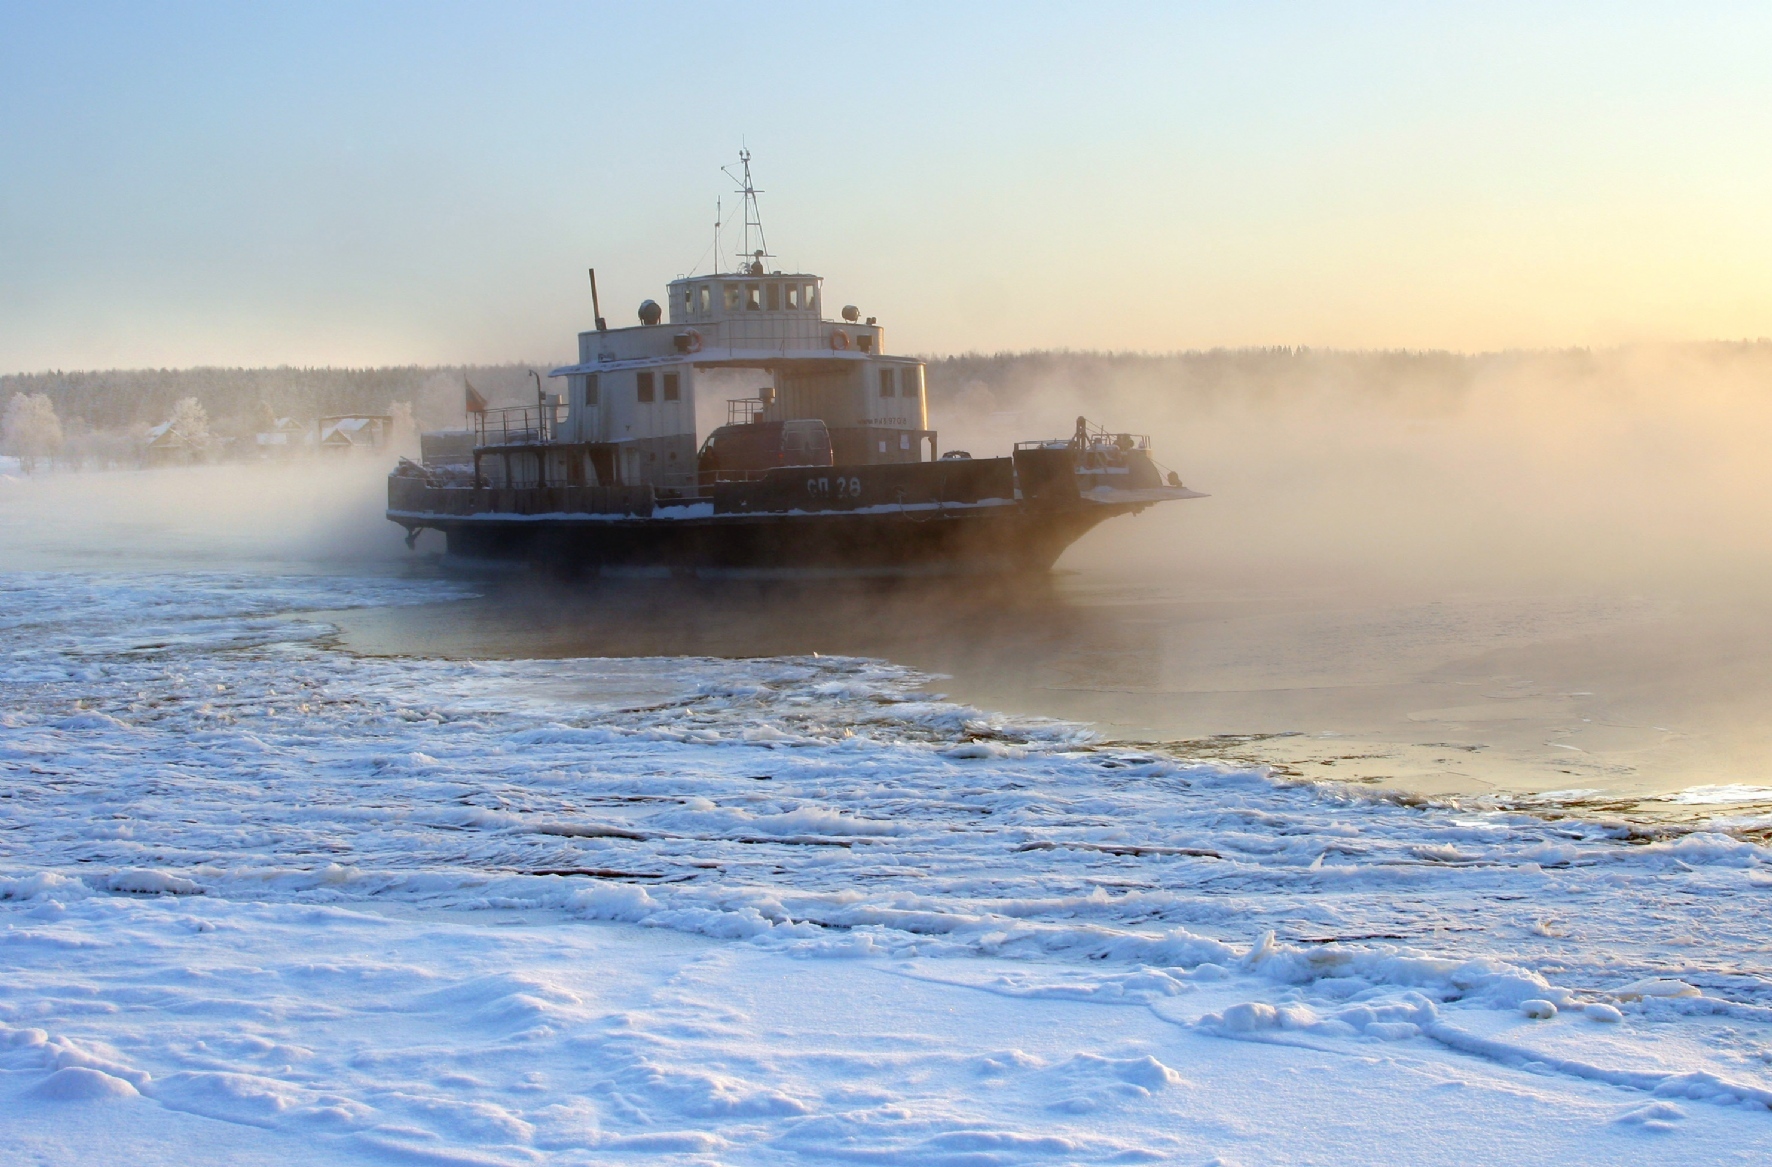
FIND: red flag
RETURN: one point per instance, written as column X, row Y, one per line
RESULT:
column 476, row 403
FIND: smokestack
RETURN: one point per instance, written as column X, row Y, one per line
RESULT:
column 596, row 308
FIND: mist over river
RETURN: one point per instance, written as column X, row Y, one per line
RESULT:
column 1644, row 696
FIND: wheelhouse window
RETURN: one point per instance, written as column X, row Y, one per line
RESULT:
column 673, row 387
column 734, row 294
column 688, row 300
column 774, row 294
column 643, row 387
column 808, row 296
column 753, row 297
column 591, row 389
column 910, row 383
column 793, row 294
column 706, row 297
column 886, row 382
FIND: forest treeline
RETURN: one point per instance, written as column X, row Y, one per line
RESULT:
column 240, row 401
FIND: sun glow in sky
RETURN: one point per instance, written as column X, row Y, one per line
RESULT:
column 398, row 183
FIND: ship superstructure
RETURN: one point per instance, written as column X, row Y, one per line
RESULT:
column 823, row 467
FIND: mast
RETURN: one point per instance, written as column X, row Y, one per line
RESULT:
column 753, row 219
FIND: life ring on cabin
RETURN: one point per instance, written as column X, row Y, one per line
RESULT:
column 839, row 339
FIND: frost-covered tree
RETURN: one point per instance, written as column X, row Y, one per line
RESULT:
column 30, row 429
column 190, row 421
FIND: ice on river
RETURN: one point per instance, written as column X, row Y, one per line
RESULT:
column 264, row 900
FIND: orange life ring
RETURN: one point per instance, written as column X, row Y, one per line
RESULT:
column 839, row 339
column 694, row 345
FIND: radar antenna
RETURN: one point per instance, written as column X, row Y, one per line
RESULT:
column 753, row 221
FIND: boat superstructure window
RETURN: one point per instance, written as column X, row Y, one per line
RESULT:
column 705, row 296
column 688, row 300
column 911, row 381
column 774, row 297
column 753, row 297
column 673, row 387
column 793, row 294
column 886, row 382
column 591, row 389
column 808, row 298
column 734, row 293
column 643, row 387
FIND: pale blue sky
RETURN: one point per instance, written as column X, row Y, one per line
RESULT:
column 369, row 183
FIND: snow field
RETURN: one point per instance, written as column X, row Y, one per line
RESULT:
column 255, row 884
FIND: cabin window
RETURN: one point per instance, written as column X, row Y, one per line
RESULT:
column 793, row 294
column 865, row 342
column 673, row 387
column 885, row 382
column 733, row 294
column 753, row 297
column 706, row 297
column 591, row 389
column 910, row 383
column 904, row 441
column 643, row 386
column 807, row 297
column 774, row 291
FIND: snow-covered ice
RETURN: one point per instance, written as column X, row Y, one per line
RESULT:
column 265, row 900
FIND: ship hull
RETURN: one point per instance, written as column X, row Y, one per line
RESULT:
column 956, row 516
column 976, row 540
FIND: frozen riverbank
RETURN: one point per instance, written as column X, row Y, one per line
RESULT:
column 386, row 906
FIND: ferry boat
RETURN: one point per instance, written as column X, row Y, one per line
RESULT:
column 830, row 467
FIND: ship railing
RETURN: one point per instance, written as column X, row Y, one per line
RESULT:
column 516, row 425
column 1098, row 443
column 415, row 496
column 683, row 486
column 744, row 410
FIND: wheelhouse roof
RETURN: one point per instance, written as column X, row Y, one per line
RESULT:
column 736, row 358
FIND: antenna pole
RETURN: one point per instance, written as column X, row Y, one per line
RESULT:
column 596, row 308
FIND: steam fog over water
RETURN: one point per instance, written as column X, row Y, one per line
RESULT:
column 1515, row 573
